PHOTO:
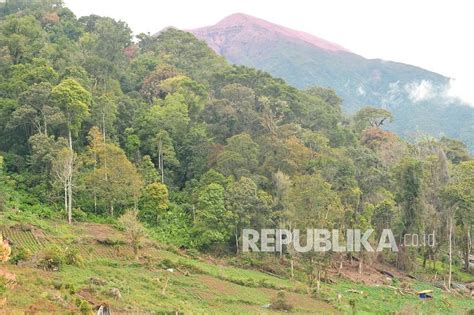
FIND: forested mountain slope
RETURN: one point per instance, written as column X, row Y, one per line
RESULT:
column 417, row 98
column 162, row 137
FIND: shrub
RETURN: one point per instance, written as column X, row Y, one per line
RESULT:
column 174, row 227
column 3, row 285
column 167, row 263
column 70, row 288
column 3, row 201
column 83, row 306
column 193, row 253
column 40, row 211
column 51, row 258
column 73, row 257
column 79, row 215
column 57, row 284
column 20, row 254
column 134, row 230
column 280, row 303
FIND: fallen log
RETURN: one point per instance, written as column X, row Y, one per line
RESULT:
column 386, row 273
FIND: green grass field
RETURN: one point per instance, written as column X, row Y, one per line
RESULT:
column 197, row 285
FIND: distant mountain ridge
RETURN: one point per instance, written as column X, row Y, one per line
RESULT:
column 242, row 22
column 417, row 97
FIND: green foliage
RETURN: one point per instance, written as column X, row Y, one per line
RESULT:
column 148, row 171
column 183, row 51
column 174, row 227
column 133, row 228
column 52, row 258
column 153, row 202
column 456, row 151
column 2, row 193
column 23, row 37
column 3, row 285
column 410, row 176
column 73, row 257
column 83, row 306
column 371, row 117
column 199, row 148
column 239, row 156
column 213, row 221
column 312, row 203
column 356, row 80
column 247, row 205
column 108, row 176
column 73, row 100
column 20, row 254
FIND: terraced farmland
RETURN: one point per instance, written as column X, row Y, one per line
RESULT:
column 31, row 238
column 24, row 237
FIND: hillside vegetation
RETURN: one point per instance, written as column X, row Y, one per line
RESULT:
column 419, row 99
column 121, row 159
column 94, row 265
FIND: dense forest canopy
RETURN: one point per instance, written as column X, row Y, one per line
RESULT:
column 95, row 122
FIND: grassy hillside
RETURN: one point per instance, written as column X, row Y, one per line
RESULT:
column 165, row 280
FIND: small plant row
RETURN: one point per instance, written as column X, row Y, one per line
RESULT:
column 22, row 239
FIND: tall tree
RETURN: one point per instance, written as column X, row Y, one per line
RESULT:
column 63, row 167
column 243, row 201
column 410, row 197
column 372, row 117
column 111, row 177
column 35, row 109
column 240, row 156
column 153, row 202
column 459, row 197
column 73, row 100
column 213, row 225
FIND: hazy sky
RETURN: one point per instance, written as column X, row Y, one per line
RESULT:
column 433, row 34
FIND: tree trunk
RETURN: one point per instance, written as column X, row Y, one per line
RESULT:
column 45, row 122
column 236, row 240
column 103, row 126
column 65, row 198
column 467, row 247
column 69, row 199
column 450, row 229
column 95, row 167
column 69, row 179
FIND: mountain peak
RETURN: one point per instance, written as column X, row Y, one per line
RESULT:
column 239, row 18
column 243, row 26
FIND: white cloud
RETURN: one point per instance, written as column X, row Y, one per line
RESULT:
column 457, row 90
column 462, row 89
column 420, row 91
